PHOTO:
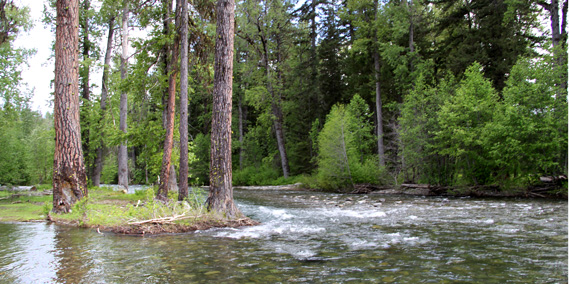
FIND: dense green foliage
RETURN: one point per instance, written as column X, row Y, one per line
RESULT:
column 107, row 208
column 344, row 148
column 472, row 94
column 26, row 138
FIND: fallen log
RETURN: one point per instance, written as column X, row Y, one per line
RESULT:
column 365, row 188
column 410, row 185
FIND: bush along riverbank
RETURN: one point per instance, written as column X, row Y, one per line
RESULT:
column 106, row 210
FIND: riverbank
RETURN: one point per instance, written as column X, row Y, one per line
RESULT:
column 546, row 190
column 108, row 210
column 112, row 211
column 549, row 189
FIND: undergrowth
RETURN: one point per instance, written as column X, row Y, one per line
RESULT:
column 262, row 175
column 107, row 208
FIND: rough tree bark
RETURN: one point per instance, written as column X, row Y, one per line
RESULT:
column 380, row 128
column 69, row 179
column 183, row 185
column 123, row 155
column 104, row 93
column 167, row 169
column 221, row 192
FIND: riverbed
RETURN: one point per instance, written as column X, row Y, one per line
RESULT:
column 310, row 237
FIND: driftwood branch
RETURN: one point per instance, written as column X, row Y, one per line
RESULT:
column 165, row 220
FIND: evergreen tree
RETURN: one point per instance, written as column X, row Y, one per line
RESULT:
column 69, row 177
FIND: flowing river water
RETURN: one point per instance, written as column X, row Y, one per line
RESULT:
column 309, row 237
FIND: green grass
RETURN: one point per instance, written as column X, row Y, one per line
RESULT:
column 16, row 206
column 107, row 208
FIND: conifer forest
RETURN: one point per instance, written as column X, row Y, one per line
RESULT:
column 330, row 94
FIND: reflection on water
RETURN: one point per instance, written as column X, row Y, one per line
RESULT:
column 26, row 252
column 313, row 237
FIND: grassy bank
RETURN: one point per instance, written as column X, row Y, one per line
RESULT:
column 115, row 211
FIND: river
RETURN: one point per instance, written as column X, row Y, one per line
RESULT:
column 309, row 237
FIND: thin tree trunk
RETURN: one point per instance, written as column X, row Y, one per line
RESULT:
column 345, row 153
column 86, row 49
column 85, row 104
column 276, row 111
column 123, row 156
column 278, row 125
column 558, row 35
column 380, row 128
column 240, row 130
column 172, row 184
column 69, row 179
column 104, row 93
column 555, row 22
column 166, row 170
column 564, row 19
column 221, row 192
column 411, row 43
column 279, row 115
column 108, row 56
column 183, row 187
column 165, row 53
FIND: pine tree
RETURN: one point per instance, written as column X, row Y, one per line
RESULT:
column 69, row 178
column 221, row 192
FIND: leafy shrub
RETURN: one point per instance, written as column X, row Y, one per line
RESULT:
column 264, row 175
column 346, row 144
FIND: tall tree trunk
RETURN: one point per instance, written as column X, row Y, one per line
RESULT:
column 278, row 125
column 123, row 156
column 69, row 179
column 165, row 54
column 85, row 68
column 411, row 43
column 166, row 170
column 380, row 128
column 564, row 19
column 314, row 34
column 104, row 93
column 86, row 49
column 276, row 110
column 241, row 118
column 279, row 114
column 558, row 35
column 221, row 192
column 183, row 187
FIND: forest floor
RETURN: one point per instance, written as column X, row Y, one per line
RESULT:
column 114, row 211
